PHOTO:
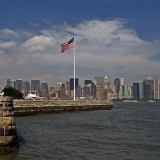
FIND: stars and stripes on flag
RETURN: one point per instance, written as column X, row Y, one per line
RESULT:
column 68, row 45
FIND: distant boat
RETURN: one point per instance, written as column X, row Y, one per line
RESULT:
column 130, row 101
column 151, row 101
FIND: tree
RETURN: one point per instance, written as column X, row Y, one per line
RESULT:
column 9, row 91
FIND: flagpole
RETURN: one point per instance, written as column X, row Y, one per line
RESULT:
column 74, row 67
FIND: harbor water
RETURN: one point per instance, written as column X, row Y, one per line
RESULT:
column 129, row 131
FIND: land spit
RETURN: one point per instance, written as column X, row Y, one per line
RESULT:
column 31, row 107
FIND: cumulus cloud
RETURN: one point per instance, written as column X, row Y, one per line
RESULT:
column 39, row 43
column 6, row 45
column 102, row 47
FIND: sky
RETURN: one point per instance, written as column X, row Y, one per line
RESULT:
column 112, row 37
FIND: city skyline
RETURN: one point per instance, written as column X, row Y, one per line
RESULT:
column 112, row 37
column 70, row 79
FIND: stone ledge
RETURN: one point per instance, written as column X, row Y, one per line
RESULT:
column 7, row 121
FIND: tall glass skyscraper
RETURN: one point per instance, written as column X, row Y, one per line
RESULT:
column 72, row 83
column 135, row 90
column 10, row 83
column 35, row 85
column 19, row 85
column 141, row 89
column 156, row 88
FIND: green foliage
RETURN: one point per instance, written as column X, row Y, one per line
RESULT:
column 9, row 91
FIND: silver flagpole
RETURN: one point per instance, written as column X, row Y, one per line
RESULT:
column 74, row 68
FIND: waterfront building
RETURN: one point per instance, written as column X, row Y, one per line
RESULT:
column 67, row 88
column 58, row 86
column 146, row 91
column 123, row 92
column 93, row 90
column 35, row 85
column 86, row 82
column 130, row 91
column 72, row 83
column 106, row 83
column 62, row 91
column 26, row 88
column 78, row 91
column 121, row 81
column 87, row 90
column 156, row 88
column 99, row 92
column 99, row 81
column 19, row 85
column 149, row 81
column 44, row 89
column 141, row 89
column 135, row 90
column 117, row 85
column 10, row 83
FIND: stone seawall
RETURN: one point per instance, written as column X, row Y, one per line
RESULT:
column 30, row 107
column 8, row 136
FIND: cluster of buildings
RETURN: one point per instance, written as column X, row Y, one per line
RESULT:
column 99, row 88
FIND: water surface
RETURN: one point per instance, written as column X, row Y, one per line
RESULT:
column 129, row 131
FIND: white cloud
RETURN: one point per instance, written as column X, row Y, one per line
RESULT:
column 102, row 47
column 6, row 45
column 9, row 32
column 39, row 43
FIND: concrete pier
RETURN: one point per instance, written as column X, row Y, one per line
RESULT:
column 30, row 107
column 8, row 135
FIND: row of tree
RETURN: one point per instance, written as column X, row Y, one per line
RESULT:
column 9, row 91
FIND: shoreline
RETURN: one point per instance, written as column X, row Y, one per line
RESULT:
column 33, row 107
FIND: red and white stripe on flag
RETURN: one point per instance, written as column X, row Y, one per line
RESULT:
column 68, row 45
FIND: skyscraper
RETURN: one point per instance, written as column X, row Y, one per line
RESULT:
column 26, row 88
column 121, row 81
column 72, row 83
column 87, row 82
column 149, row 81
column 10, row 83
column 19, row 85
column 44, row 89
column 141, row 89
column 99, row 81
column 156, row 88
column 135, row 90
column 35, row 85
column 117, row 85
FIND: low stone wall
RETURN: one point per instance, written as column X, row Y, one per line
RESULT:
column 29, row 107
column 8, row 136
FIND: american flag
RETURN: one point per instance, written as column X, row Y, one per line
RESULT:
column 68, row 45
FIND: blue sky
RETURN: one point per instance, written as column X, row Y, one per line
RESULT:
column 113, row 37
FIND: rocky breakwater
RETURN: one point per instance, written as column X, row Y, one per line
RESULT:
column 30, row 107
column 8, row 135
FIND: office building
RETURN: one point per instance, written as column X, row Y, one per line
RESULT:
column 26, row 88
column 35, row 85
column 146, row 91
column 141, row 90
column 117, row 85
column 156, row 88
column 135, row 90
column 99, row 81
column 72, row 83
column 121, row 81
column 149, row 81
column 86, row 82
column 44, row 89
column 10, row 83
column 19, row 85
column 78, row 91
